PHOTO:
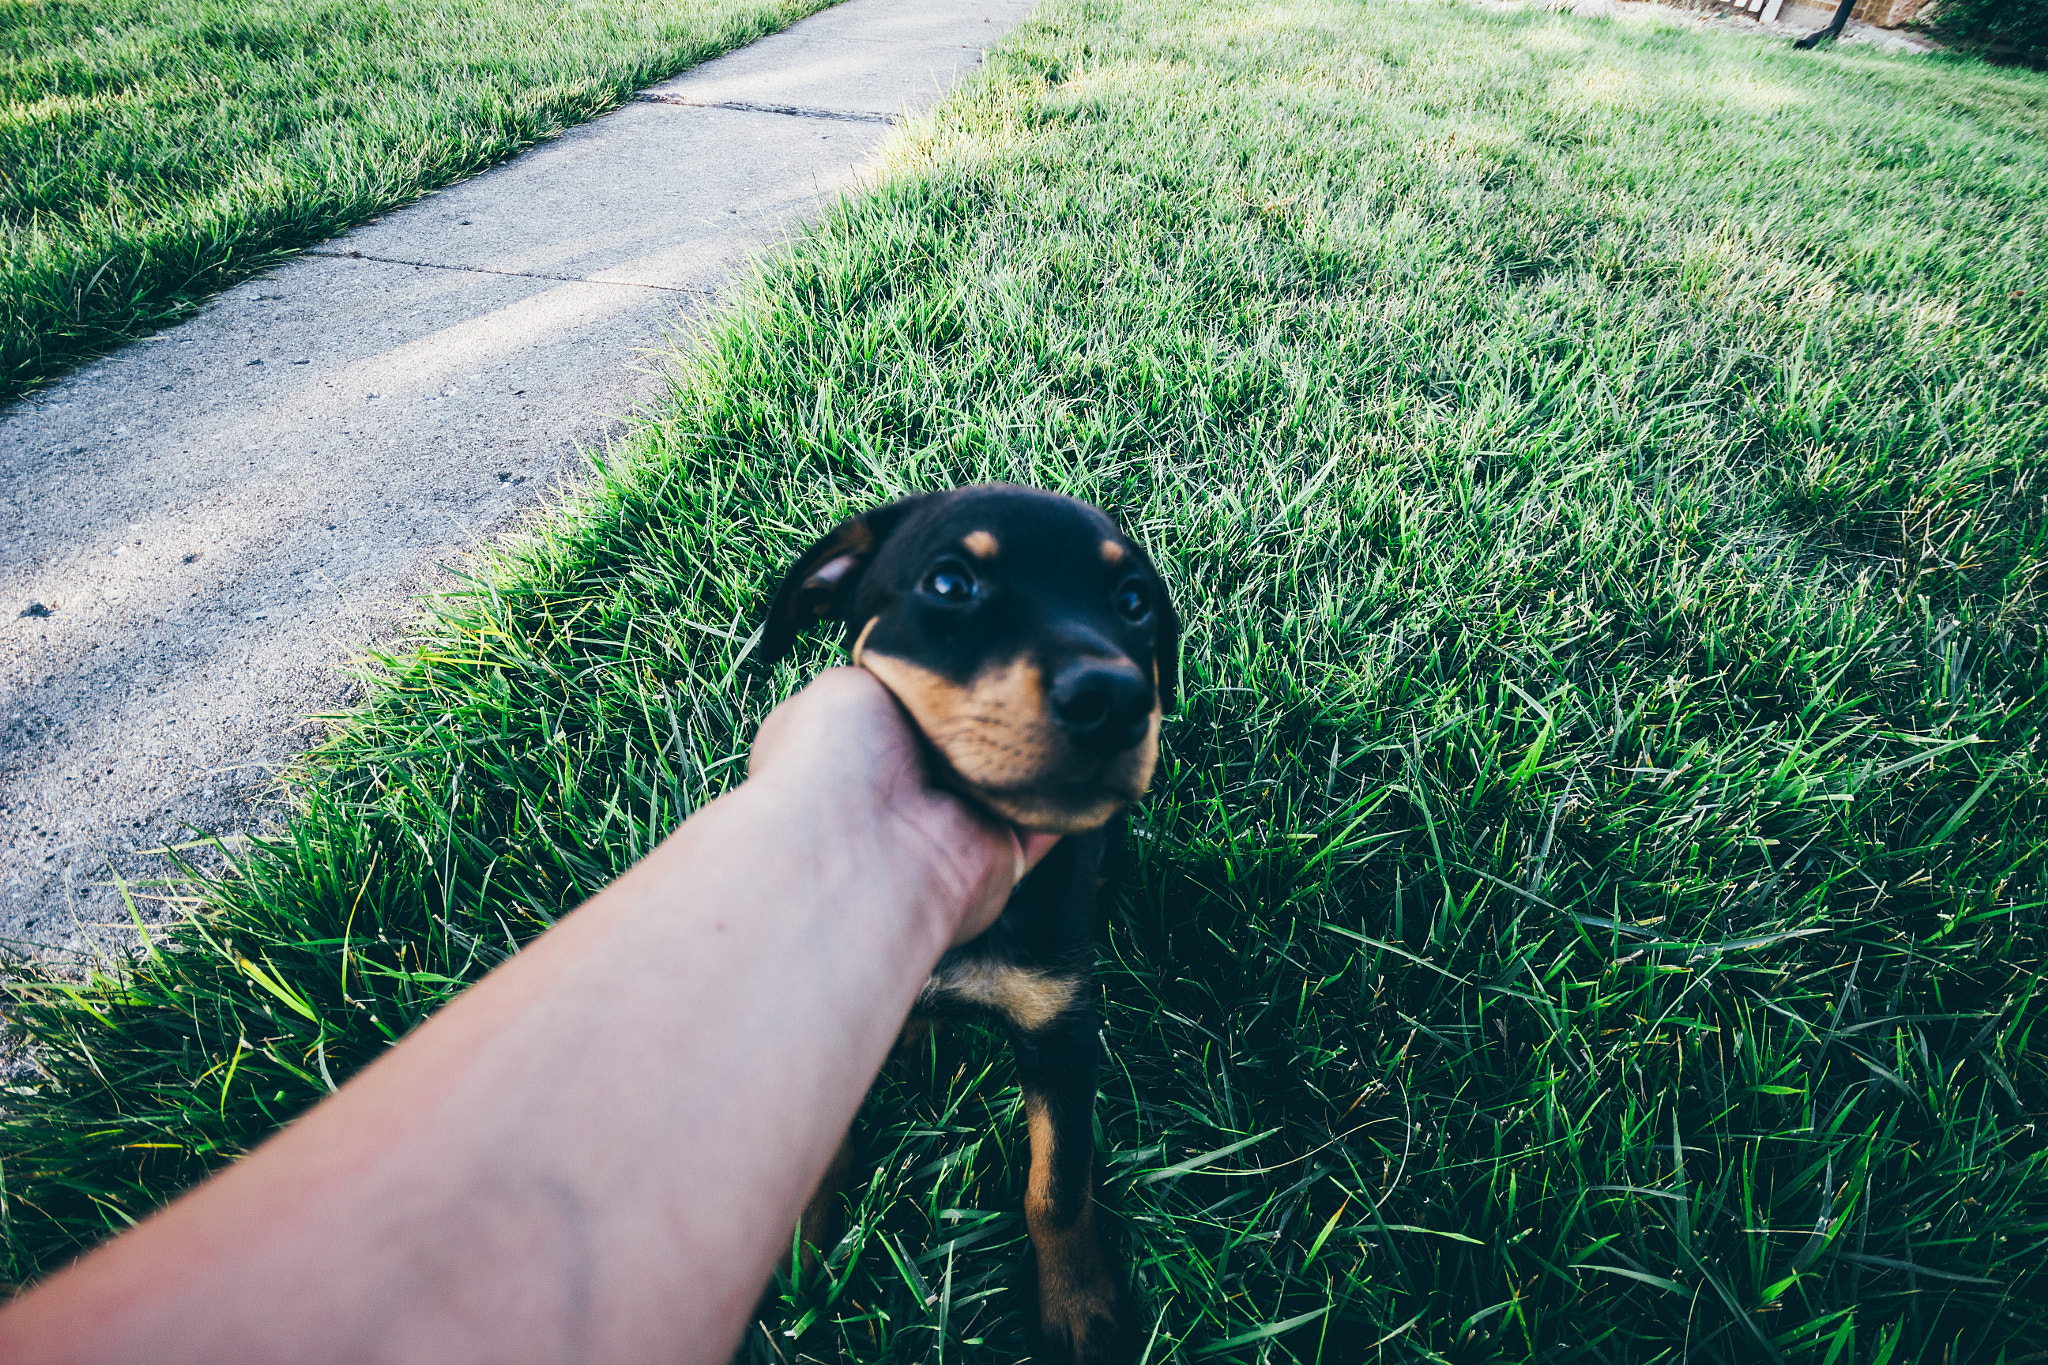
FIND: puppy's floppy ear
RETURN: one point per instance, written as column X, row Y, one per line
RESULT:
column 821, row 584
column 1166, row 635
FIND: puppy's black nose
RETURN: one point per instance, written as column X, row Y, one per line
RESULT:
column 1104, row 707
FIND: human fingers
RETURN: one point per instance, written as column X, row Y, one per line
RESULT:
column 846, row 733
column 1035, row 845
column 845, row 725
column 1026, row 850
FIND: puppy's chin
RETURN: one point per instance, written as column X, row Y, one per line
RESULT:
column 1052, row 811
column 1061, row 801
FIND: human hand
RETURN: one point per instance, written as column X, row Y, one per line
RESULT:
column 845, row 739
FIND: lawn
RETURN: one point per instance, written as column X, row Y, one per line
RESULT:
column 1592, row 905
column 155, row 151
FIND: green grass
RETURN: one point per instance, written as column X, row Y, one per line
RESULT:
column 154, row 151
column 1592, row 905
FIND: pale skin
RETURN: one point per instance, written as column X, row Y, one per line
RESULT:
column 596, row 1154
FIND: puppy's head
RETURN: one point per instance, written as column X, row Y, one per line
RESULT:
column 1028, row 637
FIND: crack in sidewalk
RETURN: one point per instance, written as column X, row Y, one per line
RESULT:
column 790, row 110
column 517, row 274
column 644, row 97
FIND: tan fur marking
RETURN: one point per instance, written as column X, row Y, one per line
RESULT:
column 1146, row 754
column 1038, row 1190
column 1025, row 995
column 998, row 735
column 1112, row 553
column 980, row 544
column 1077, row 1294
column 915, row 1033
column 861, row 643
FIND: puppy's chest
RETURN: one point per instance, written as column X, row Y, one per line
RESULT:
column 1030, row 997
column 1023, row 971
column 1035, row 963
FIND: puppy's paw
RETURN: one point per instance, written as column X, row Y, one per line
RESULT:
column 1085, row 1323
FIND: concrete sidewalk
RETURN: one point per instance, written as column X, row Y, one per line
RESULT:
column 196, row 530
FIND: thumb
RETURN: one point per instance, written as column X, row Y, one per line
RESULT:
column 1034, row 845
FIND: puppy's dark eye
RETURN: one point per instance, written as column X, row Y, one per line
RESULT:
column 951, row 583
column 1133, row 601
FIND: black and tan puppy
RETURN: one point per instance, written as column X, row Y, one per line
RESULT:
column 1034, row 646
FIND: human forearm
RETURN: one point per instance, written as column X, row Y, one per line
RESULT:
column 580, row 1158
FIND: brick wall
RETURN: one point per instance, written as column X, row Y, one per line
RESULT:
column 1885, row 13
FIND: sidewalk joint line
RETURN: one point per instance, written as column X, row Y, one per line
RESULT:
column 486, row 270
column 749, row 107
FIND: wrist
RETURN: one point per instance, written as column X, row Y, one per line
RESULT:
column 921, row 858
column 847, row 771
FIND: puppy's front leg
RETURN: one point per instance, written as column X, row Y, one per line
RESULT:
column 1083, row 1313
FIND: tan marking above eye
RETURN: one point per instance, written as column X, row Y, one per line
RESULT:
column 1112, row 553
column 980, row 544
